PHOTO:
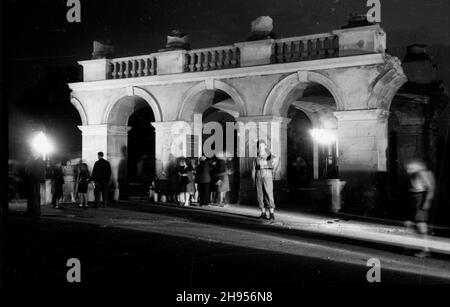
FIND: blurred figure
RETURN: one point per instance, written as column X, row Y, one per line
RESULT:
column 83, row 176
column 421, row 189
column 173, row 189
column 69, row 180
column 222, row 178
column 144, row 172
column 194, row 165
column 262, row 175
column 58, row 183
column 186, row 181
column 203, row 177
column 101, row 174
column 35, row 175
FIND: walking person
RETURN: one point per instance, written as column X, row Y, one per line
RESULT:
column 186, row 182
column 58, row 183
column 203, row 177
column 421, row 189
column 262, row 175
column 83, row 176
column 101, row 174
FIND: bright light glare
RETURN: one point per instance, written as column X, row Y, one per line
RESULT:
column 42, row 144
column 323, row 136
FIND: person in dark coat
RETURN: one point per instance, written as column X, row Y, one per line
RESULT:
column 35, row 175
column 58, row 183
column 186, row 181
column 101, row 174
column 204, row 181
column 82, row 184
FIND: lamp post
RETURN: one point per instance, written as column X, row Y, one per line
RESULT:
column 327, row 137
column 42, row 145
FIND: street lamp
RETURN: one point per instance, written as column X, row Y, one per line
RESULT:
column 42, row 145
column 325, row 137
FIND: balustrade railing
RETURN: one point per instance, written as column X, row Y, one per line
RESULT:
column 138, row 66
column 212, row 58
column 303, row 48
column 292, row 49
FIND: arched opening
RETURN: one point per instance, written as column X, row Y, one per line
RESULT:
column 141, row 152
column 309, row 107
column 132, row 155
column 300, row 169
column 218, row 107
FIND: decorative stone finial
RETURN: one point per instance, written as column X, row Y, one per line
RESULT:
column 177, row 40
column 262, row 28
column 102, row 49
column 357, row 20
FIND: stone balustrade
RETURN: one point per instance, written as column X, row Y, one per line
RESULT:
column 303, row 48
column 130, row 67
column 212, row 58
column 338, row 43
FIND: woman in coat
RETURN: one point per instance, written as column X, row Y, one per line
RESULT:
column 83, row 176
column 186, row 181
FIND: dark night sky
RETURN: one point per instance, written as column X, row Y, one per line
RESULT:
column 37, row 37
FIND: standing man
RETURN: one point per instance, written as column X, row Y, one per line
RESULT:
column 35, row 175
column 262, row 175
column 101, row 175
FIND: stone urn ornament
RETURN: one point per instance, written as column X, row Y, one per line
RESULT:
column 177, row 40
column 262, row 28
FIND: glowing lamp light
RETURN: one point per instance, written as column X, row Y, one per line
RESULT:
column 323, row 136
column 42, row 144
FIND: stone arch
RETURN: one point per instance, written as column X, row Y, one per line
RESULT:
column 276, row 99
column 79, row 106
column 384, row 89
column 134, row 92
column 187, row 108
column 317, row 114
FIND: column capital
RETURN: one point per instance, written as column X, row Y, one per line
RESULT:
column 169, row 125
column 362, row 115
column 104, row 129
column 265, row 118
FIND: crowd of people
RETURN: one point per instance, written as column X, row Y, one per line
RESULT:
column 204, row 181
column 70, row 182
column 191, row 180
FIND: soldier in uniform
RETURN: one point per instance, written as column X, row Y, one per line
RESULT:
column 262, row 175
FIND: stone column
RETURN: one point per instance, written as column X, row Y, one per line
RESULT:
column 170, row 143
column 273, row 129
column 363, row 146
column 112, row 140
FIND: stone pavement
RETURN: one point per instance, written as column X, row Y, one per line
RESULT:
column 346, row 228
column 356, row 229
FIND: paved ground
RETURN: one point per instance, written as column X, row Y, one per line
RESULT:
column 161, row 246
